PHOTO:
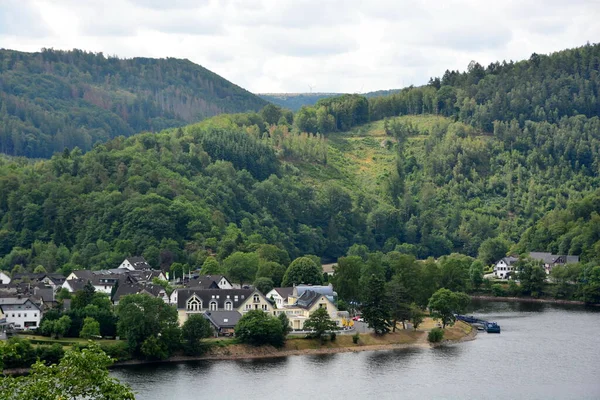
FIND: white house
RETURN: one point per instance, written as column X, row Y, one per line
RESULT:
column 280, row 296
column 135, row 263
column 20, row 312
column 505, row 267
column 4, row 278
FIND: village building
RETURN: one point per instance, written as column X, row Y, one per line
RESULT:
column 135, row 264
column 223, row 322
column 20, row 312
column 4, row 278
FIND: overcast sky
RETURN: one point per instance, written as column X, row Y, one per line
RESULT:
column 292, row 45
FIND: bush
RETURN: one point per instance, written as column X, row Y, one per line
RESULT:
column 332, row 336
column 436, row 335
column 119, row 351
column 498, row 290
column 355, row 338
column 259, row 328
column 50, row 354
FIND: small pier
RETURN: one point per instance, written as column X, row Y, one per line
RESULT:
column 489, row 327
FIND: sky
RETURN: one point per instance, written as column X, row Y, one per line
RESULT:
column 275, row 46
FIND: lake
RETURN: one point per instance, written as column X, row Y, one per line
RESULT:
column 544, row 352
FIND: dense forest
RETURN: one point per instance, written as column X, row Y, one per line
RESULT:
column 414, row 172
column 53, row 99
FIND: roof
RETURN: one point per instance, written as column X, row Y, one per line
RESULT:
column 15, row 301
column 136, row 288
column 55, row 278
column 218, row 295
column 139, row 263
column 284, row 292
column 549, row 258
column 510, row 260
column 308, row 299
column 326, row 290
column 206, row 281
column 223, row 319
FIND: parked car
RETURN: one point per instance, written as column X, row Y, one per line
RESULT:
column 358, row 318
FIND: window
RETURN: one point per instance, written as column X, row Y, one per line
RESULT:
column 35, row 314
column 213, row 306
column 264, row 307
column 13, row 315
column 248, row 307
column 25, row 315
column 228, row 305
column 19, row 315
column 256, row 298
column 194, row 304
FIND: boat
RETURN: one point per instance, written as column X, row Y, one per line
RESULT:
column 492, row 327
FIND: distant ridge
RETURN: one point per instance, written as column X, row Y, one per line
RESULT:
column 294, row 101
column 53, row 99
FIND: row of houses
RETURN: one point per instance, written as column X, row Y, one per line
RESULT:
column 505, row 267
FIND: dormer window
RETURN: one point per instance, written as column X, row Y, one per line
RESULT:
column 228, row 305
column 213, row 306
column 194, row 304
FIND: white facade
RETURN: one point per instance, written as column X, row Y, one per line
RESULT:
column 126, row 264
column 23, row 314
column 4, row 278
column 503, row 269
column 280, row 302
column 224, row 283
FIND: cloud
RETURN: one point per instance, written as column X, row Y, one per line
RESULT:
column 20, row 18
column 286, row 45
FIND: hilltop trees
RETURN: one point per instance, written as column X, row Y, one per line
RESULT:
column 302, row 270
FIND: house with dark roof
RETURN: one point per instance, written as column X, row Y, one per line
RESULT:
column 223, row 322
column 135, row 264
column 550, row 260
column 280, row 296
column 50, row 279
column 504, row 268
column 298, row 291
column 306, row 304
column 210, row 282
column 102, row 281
column 21, row 312
column 150, row 289
column 197, row 301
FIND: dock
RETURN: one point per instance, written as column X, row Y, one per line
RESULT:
column 489, row 327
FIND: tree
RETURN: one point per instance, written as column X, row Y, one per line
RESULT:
column 416, row 315
column 319, row 322
column 83, row 297
column 211, row 266
column 346, row 277
column 455, row 271
column 399, row 302
column 241, row 267
column 81, row 373
column 476, row 274
column 141, row 317
column 39, row 270
column 272, row 270
column 195, row 328
column 492, row 250
column 259, row 328
column 302, row 270
column 91, row 328
column 264, row 285
column 375, row 308
column 445, row 303
column 57, row 327
column 531, row 276
column 285, row 323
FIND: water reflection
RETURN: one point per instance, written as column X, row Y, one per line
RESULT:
column 267, row 365
column 385, row 359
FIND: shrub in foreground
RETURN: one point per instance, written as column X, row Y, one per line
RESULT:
column 435, row 335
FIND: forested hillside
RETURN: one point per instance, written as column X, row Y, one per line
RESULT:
column 348, row 171
column 53, row 99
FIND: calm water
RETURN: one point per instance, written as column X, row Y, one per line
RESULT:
column 543, row 352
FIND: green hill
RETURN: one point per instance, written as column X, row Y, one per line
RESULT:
column 53, row 100
column 412, row 172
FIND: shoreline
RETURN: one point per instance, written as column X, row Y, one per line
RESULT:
column 417, row 340
column 267, row 352
column 532, row 300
